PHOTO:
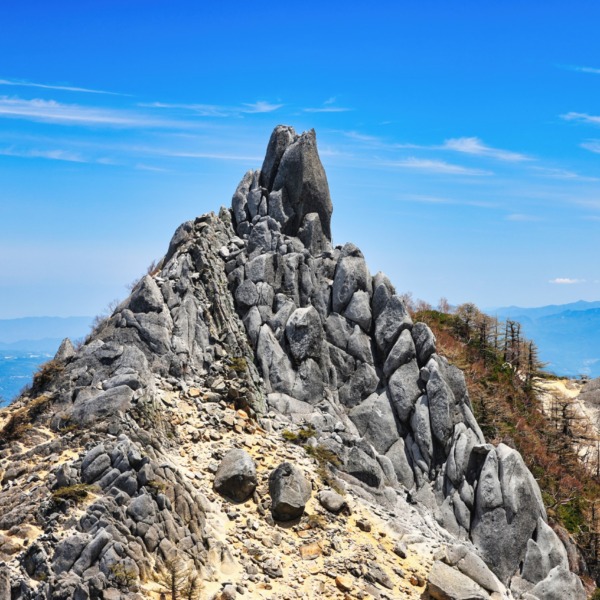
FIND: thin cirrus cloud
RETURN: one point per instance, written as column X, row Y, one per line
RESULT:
column 214, row 110
column 260, row 107
column 63, row 88
column 436, row 166
column 581, row 69
column 581, row 118
column 565, row 174
column 204, row 155
column 522, row 218
column 473, row 145
column 426, row 199
column 566, row 281
column 592, row 146
column 327, row 109
column 63, row 155
column 50, row 111
column 465, row 145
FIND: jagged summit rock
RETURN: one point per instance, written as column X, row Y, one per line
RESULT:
column 290, row 186
column 252, row 326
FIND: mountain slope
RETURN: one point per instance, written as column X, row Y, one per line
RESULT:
column 254, row 323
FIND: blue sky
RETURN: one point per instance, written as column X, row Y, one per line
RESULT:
column 461, row 140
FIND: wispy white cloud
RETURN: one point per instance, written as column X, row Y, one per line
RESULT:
column 64, row 88
column 592, row 146
column 327, row 109
column 473, row 145
column 362, row 137
column 582, row 118
column 522, row 218
column 566, row 281
column 206, row 155
column 565, row 174
column 260, row 107
column 201, row 110
column 427, row 199
column 436, row 166
column 214, row 110
column 144, row 167
column 581, row 69
column 465, row 145
column 50, row 111
column 64, row 155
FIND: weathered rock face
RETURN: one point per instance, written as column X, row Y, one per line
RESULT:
column 256, row 309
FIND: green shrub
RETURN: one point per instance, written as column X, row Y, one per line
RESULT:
column 124, row 577
column 300, row 436
column 77, row 493
column 20, row 420
column 46, row 374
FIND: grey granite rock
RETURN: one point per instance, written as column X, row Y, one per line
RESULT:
column 289, row 491
column 403, row 388
column 401, row 353
column 304, row 334
column 65, row 351
column 364, row 467
column 446, row 583
column 236, row 476
column 281, row 138
column 351, row 275
column 392, row 320
column 374, row 419
column 424, row 342
column 332, row 501
column 303, row 185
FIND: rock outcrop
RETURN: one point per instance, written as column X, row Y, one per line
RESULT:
column 254, row 322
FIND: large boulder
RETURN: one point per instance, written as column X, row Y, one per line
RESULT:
column 446, row 583
column 394, row 319
column 352, row 275
column 236, row 476
column 304, row 333
column 508, row 504
column 289, row 491
column 374, row 419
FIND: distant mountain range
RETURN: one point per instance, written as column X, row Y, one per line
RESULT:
column 567, row 335
column 28, row 342
column 36, row 329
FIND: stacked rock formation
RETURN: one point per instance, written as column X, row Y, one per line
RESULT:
column 260, row 309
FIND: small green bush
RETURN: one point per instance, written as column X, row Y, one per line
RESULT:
column 46, row 374
column 20, row 420
column 124, row 577
column 77, row 492
column 239, row 364
column 300, row 436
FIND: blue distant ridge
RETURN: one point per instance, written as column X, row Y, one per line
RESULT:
column 567, row 336
column 27, row 343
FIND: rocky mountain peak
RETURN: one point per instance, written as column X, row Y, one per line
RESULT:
column 250, row 379
column 291, row 187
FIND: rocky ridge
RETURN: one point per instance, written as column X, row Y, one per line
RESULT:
column 254, row 326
